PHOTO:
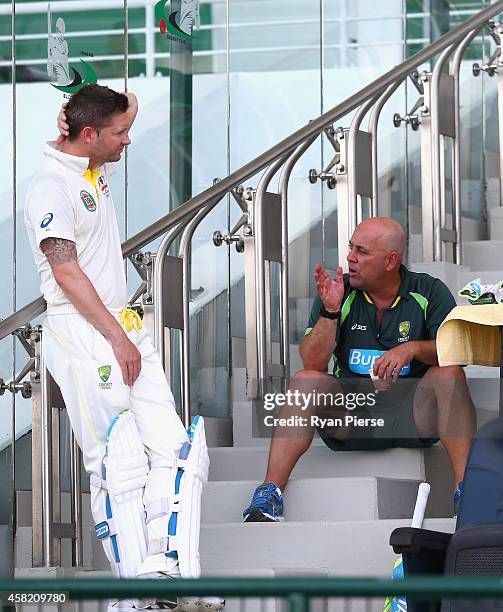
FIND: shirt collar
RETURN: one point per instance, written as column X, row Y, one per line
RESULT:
column 403, row 290
column 71, row 162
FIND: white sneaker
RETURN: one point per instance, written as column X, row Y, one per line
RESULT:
column 151, row 568
column 199, row 604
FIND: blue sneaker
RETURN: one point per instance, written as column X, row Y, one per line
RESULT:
column 266, row 505
column 457, row 497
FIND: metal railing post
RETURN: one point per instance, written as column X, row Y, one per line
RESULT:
column 159, row 329
column 373, row 125
column 260, row 275
column 344, row 221
column 499, row 76
column 284, row 181
column 47, row 467
column 437, row 156
column 76, row 502
column 185, row 254
column 354, row 132
column 456, row 152
column 426, row 171
column 38, row 401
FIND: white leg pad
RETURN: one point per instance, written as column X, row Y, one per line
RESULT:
column 118, row 497
column 173, row 507
column 193, row 465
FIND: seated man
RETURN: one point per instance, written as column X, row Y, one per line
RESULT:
column 379, row 322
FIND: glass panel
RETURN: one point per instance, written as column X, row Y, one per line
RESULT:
column 7, row 216
column 275, row 88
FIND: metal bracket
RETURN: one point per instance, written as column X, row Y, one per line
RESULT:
column 17, row 385
column 494, row 63
column 490, row 68
column 219, row 239
column 23, row 334
column 326, row 175
column 329, row 177
column 144, row 264
column 415, row 77
column 243, row 197
column 412, row 117
column 237, row 193
column 24, row 388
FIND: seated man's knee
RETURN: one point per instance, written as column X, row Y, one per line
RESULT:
column 310, row 375
column 453, row 372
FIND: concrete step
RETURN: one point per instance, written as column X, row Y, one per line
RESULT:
column 445, row 271
column 483, row 254
column 487, row 277
column 496, row 223
column 249, row 463
column 318, row 499
column 319, row 462
column 348, row 548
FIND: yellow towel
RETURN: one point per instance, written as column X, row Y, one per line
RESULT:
column 130, row 319
column 470, row 335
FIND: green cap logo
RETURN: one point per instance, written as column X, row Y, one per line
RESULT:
column 88, row 200
column 104, row 372
column 404, row 328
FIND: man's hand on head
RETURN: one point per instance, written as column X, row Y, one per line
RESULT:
column 63, row 127
column 331, row 291
column 132, row 107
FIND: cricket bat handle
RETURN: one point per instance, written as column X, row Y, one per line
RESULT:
column 420, row 508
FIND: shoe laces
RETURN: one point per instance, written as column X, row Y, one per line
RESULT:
column 266, row 495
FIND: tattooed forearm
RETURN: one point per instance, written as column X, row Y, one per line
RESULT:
column 58, row 251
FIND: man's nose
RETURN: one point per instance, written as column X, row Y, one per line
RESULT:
column 351, row 255
column 126, row 140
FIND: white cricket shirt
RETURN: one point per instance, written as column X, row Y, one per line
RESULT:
column 61, row 203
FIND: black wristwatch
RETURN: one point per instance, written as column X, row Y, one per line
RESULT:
column 329, row 315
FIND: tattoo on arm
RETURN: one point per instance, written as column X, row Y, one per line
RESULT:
column 58, row 250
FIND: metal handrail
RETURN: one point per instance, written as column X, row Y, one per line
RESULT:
column 432, row 587
column 254, row 166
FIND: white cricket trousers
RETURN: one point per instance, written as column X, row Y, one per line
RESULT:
column 82, row 363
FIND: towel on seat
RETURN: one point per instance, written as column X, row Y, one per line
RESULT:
column 470, row 335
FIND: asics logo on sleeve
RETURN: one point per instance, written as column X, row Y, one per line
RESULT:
column 46, row 220
column 361, row 360
column 358, row 327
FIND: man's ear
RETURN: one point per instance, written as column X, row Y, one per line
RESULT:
column 393, row 261
column 89, row 135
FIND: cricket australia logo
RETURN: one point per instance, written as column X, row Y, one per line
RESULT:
column 404, row 328
column 88, row 200
column 67, row 78
column 104, row 373
column 177, row 24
